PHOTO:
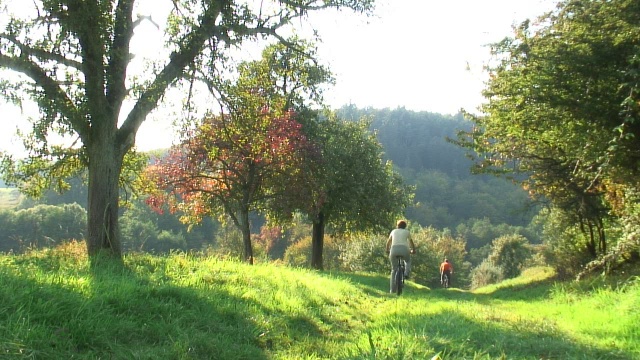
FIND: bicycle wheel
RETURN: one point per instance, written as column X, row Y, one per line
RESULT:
column 399, row 281
column 399, row 276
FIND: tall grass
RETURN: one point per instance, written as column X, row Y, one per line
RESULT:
column 53, row 305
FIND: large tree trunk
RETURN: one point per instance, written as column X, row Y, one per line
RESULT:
column 317, row 242
column 105, row 165
column 246, row 236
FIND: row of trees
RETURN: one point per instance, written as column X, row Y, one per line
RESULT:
column 73, row 59
column 562, row 118
column 144, row 230
column 478, row 208
column 446, row 194
column 267, row 153
column 42, row 225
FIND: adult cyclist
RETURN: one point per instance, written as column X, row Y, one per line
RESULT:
column 446, row 269
column 400, row 244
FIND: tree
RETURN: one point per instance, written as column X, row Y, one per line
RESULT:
column 251, row 158
column 561, row 111
column 73, row 58
column 233, row 164
column 356, row 190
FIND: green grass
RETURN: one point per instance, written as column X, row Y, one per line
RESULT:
column 9, row 198
column 53, row 305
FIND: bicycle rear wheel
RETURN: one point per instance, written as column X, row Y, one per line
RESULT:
column 399, row 283
column 399, row 276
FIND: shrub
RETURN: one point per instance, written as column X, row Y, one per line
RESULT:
column 432, row 247
column 228, row 242
column 510, row 252
column 169, row 241
column 299, row 253
column 486, row 273
column 364, row 252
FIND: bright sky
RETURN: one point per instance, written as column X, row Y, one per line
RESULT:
column 424, row 55
column 417, row 53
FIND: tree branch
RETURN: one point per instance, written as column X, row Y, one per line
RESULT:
column 51, row 88
column 119, row 55
column 170, row 73
column 41, row 54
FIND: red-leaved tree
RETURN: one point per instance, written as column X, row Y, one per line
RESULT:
column 234, row 164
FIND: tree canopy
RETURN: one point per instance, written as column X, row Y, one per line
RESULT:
column 234, row 165
column 561, row 115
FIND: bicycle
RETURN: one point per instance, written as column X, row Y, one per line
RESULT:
column 399, row 275
column 445, row 280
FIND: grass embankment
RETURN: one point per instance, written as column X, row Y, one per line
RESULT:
column 54, row 306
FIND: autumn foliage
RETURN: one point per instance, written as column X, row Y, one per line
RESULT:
column 232, row 163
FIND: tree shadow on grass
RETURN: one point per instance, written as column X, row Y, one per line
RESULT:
column 532, row 290
column 123, row 315
column 455, row 336
column 377, row 284
column 207, row 319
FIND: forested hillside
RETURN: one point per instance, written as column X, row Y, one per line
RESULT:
column 447, row 194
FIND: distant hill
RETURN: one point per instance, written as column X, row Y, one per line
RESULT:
column 447, row 193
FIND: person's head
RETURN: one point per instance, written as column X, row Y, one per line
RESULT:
column 446, row 260
column 402, row 224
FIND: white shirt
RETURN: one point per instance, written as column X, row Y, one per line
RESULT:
column 400, row 237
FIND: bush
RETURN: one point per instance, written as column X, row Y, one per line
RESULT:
column 169, row 241
column 364, row 252
column 228, row 242
column 510, row 252
column 138, row 235
column 432, row 247
column 299, row 254
column 486, row 273
column 565, row 248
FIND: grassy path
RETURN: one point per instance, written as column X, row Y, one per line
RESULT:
column 52, row 306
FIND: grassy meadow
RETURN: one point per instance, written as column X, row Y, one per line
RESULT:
column 53, row 305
